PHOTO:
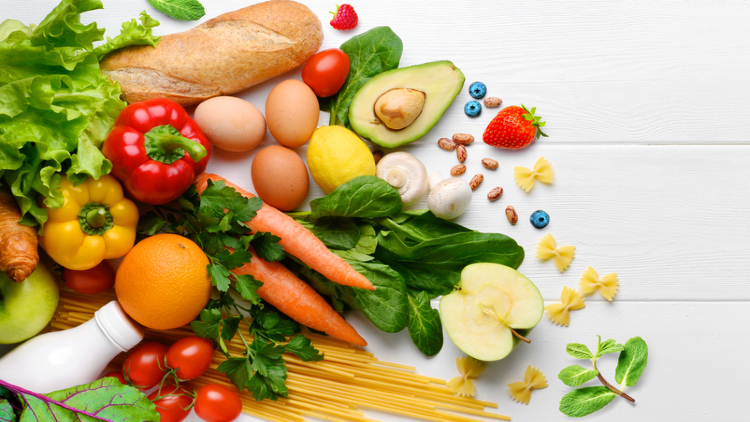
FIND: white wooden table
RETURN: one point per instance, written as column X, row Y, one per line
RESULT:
column 646, row 103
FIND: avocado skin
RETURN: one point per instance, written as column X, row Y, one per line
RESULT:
column 441, row 81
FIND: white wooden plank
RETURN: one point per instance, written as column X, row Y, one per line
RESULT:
column 629, row 72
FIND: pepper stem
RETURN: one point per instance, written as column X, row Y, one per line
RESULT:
column 166, row 145
column 96, row 217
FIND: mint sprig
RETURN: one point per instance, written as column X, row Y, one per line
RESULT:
column 630, row 365
column 184, row 10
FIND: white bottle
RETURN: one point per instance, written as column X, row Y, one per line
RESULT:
column 63, row 359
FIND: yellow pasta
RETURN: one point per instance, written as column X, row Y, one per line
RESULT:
column 607, row 285
column 469, row 368
column 542, row 172
column 562, row 255
column 337, row 388
column 533, row 380
column 559, row 313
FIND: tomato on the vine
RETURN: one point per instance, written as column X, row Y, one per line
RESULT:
column 326, row 72
column 190, row 356
column 91, row 281
column 116, row 375
column 172, row 403
column 145, row 365
column 216, row 403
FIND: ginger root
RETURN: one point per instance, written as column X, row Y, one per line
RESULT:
column 18, row 243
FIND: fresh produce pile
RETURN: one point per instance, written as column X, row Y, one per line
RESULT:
column 100, row 161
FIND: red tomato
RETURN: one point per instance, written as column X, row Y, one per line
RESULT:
column 91, row 281
column 326, row 72
column 173, row 404
column 216, row 403
column 117, row 375
column 191, row 356
column 145, row 365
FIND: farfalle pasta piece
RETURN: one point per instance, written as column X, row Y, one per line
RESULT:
column 607, row 285
column 559, row 313
column 533, row 380
column 542, row 172
column 469, row 368
column 548, row 249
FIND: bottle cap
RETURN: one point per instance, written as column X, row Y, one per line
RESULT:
column 118, row 326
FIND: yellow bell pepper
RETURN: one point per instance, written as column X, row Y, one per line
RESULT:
column 96, row 222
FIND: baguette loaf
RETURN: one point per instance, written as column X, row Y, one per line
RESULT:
column 224, row 55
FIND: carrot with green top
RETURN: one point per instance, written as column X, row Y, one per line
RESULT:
column 297, row 300
column 295, row 239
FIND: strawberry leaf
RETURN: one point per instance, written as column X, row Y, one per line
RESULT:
column 535, row 121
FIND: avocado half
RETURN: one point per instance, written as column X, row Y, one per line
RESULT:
column 439, row 81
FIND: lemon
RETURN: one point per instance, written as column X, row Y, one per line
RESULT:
column 336, row 155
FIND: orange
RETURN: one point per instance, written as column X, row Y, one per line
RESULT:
column 163, row 282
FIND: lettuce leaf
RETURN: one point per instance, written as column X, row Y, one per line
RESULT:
column 56, row 107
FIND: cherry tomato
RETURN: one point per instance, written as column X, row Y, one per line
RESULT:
column 117, row 375
column 91, row 281
column 145, row 365
column 326, row 72
column 173, row 404
column 216, row 403
column 191, row 356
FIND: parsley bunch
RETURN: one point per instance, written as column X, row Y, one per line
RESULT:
column 215, row 221
column 587, row 400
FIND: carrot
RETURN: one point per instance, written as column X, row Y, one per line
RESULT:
column 297, row 300
column 295, row 239
column 18, row 243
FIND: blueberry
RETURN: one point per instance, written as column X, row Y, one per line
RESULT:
column 478, row 90
column 539, row 219
column 473, row 108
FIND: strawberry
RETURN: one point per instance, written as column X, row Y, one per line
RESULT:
column 513, row 128
column 344, row 17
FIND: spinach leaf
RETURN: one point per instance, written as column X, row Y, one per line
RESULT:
column 425, row 328
column 368, row 239
column 370, row 54
column 363, row 196
column 421, row 227
column 336, row 233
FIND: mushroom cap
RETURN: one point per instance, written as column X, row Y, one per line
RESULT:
column 404, row 172
column 449, row 198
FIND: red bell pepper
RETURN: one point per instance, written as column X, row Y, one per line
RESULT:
column 156, row 150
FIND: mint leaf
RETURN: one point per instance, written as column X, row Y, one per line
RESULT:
column 585, row 401
column 238, row 370
column 609, row 346
column 302, row 347
column 576, row 375
column 248, row 286
column 6, row 411
column 632, row 362
column 579, row 351
column 184, row 10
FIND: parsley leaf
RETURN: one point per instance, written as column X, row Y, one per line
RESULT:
column 219, row 276
column 301, row 346
column 265, row 245
column 247, row 287
column 216, row 198
column 238, row 370
column 209, row 326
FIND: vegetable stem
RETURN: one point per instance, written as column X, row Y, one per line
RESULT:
column 515, row 333
column 610, row 386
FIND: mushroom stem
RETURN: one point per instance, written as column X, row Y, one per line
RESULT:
column 396, row 177
column 434, row 179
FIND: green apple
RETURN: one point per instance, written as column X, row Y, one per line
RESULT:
column 28, row 306
column 491, row 311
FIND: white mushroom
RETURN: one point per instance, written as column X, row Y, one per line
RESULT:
column 448, row 198
column 405, row 173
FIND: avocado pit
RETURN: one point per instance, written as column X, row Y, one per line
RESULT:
column 398, row 108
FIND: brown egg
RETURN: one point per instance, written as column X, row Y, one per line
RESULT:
column 292, row 113
column 231, row 123
column 280, row 177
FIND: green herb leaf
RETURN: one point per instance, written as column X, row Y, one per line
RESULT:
column 632, row 362
column 585, row 401
column 266, row 245
column 217, row 197
column 184, row 10
column 238, row 370
column 609, row 346
column 209, row 326
column 302, row 347
column 370, row 54
column 271, row 386
column 234, row 259
column 6, row 411
column 363, row 196
column 230, row 326
column 576, row 375
column 132, row 33
column 425, row 328
column 270, row 325
column 248, row 286
column 335, row 233
column 368, row 239
column 219, row 276
column 579, row 351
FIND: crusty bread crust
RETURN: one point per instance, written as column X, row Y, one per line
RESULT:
column 227, row 54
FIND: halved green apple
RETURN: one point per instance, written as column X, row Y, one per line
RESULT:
column 491, row 311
